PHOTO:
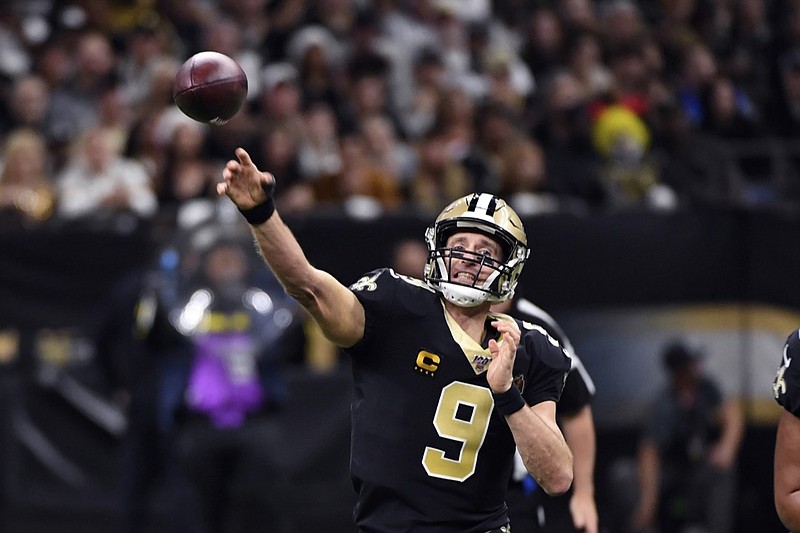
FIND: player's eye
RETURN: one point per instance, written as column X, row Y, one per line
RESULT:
column 488, row 255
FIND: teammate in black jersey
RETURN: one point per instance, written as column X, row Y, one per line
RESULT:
column 442, row 395
column 787, row 444
column 531, row 510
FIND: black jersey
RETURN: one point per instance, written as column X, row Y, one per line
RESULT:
column 429, row 453
column 579, row 389
column 787, row 381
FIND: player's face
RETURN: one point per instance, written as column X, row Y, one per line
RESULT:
column 468, row 269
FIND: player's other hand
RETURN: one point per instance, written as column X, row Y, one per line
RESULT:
column 584, row 513
column 243, row 183
column 500, row 374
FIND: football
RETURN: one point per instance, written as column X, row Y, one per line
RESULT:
column 210, row 87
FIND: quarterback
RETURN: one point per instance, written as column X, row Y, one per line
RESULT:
column 445, row 390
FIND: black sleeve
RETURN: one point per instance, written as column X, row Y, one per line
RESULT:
column 786, row 385
column 549, row 367
column 576, row 394
column 375, row 290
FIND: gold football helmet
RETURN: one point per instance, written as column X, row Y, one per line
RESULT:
column 492, row 216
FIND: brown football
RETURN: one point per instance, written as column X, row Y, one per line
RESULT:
column 210, row 87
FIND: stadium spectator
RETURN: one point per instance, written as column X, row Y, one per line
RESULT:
column 564, row 131
column 366, row 91
column 630, row 80
column 748, row 57
column 783, row 111
column 729, row 115
column 420, row 103
column 254, row 26
column 578, row 16
column 27, row 103
column 524, row 178
column 697, row 167
column 152, row 123
column 316, row 55
column 584, row 58
column 496, row 73
column 544, row 44
column 54, row 63
column 688, row 451
column 27, row 192
column 185, row 173
column 508, row 80
column 319, row 146
column 74, row 106
column 379, row 313
column 698, row 70
column 496, row 127
column 98, row 180
column 387, row 151
column 457, row 119
column 629, row 171
column 279, row 150
column 361, row 187
column 623, row 25
column 439, row 178
column 280, row 94
column 146, row 46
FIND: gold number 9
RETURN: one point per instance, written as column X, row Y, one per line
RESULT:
column 471, row 433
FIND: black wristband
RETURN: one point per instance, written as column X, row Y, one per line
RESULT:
column 259, row 214
column 508, row 402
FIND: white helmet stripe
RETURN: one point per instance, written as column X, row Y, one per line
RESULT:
column 484, row 205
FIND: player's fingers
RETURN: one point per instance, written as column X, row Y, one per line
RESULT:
column 231, row 167
column 222, row 188
column 587, row 526
column 508, row 330
column 244, row 157
column 505, row 325
column 494, row 347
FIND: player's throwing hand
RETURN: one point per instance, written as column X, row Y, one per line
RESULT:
column 244, row 184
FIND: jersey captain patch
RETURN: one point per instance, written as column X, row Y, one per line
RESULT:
column 427, row 363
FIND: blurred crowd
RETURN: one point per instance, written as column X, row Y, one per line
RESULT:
column 374, row 106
